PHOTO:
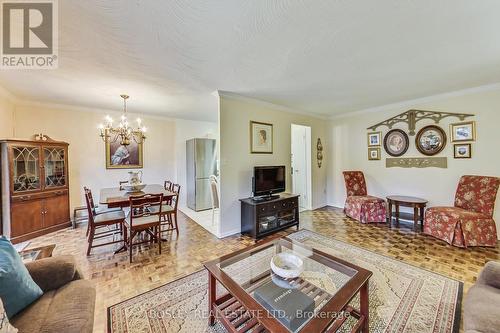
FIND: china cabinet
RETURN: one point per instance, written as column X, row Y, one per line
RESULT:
column 34, row 183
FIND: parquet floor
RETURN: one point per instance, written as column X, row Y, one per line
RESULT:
column 117, row 280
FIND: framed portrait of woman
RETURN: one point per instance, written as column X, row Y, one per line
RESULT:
column 261, row 138
column 120, row 156
column 396, row 142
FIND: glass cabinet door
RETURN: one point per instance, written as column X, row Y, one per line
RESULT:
column 26, row 168
column 54, row 166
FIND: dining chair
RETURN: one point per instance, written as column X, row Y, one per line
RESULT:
column 214, row 195
column 97, row 222
column 169, row 213
column 143, row 219
column 168, row 186
column 121, row 183
column 95, row 208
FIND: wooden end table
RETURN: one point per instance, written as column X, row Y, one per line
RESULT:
column 242, row 273
column 417, row 204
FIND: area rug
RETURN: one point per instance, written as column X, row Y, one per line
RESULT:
column 403, row 298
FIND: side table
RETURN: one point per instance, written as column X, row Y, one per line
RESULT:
column 418, row 205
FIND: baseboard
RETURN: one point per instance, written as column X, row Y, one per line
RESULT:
column 229, row 233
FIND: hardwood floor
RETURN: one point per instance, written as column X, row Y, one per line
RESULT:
column 117, row 280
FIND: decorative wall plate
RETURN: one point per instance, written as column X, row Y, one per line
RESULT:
column 430, row 140
column 396, row 142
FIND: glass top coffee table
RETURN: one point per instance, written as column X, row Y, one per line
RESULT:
column 257, row 300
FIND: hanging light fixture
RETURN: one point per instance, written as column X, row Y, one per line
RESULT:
column 124, row 132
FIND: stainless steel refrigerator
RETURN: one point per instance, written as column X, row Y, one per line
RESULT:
column 201, row 163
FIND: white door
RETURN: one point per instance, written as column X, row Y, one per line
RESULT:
column 301, row 164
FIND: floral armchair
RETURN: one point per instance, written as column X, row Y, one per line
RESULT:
column 470, row 222
column 359, row 205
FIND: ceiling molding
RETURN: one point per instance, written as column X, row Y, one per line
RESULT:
column 422, row 100
column 76, row 108
column 278, row 107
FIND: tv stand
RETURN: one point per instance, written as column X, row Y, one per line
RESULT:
column 269, row 214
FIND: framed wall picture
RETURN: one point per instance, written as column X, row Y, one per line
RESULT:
column 374, row 139
column 462, row 150
column 430, row 140
column 465, row 131
column 396, row 142
column 373, row 154
column 119, row 156
column 261, row 138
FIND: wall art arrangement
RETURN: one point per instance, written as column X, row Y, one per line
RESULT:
column 261, row 138
column 430, row 140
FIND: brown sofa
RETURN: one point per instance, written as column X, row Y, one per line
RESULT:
column 67, row 304
column 482, row 303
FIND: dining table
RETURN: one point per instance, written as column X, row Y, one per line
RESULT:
column 115, row 197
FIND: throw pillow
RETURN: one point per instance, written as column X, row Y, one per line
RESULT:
column 5, row 326
column 17, row 288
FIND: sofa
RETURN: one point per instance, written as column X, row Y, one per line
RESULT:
column 482, row 302
column 68, row 301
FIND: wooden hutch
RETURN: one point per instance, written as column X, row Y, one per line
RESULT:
column 35, row 189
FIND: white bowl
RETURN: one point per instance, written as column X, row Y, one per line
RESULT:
column 134, row 188
column 287, row 265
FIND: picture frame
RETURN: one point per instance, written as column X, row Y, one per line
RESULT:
column 462, row 150
column 430, row 140
column 261, row 138
column 374, row 139
column 464, row 131
column 374, row 154
column 119, row 156
column 396, row 142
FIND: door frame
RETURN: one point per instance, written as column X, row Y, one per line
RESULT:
column 308, row 154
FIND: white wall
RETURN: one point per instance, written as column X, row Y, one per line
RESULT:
column 87, row 151
column 347, row 149
column 185, row 130
column 6, row 116
column 236, row 161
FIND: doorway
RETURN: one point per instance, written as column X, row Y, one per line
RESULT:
column 301, row 165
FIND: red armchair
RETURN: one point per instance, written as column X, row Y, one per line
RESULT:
column 470, row 222
column 359, row 205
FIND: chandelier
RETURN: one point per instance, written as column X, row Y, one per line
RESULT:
column 124, row 132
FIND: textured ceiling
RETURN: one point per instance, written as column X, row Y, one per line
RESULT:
column 320, row 56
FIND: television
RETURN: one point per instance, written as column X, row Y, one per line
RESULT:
column 268, row 180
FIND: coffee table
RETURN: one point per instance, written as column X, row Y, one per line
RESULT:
column 417, row 204
column 330, row 281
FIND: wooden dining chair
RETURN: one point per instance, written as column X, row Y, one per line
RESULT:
column 168, row 185
column 97, row 209
column 121, row 183
column 170, row 211
column 97, row 222
column 143, row 219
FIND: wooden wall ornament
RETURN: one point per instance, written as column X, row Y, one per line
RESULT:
column 417, row 162
column 412, row 117
column 319, row 153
